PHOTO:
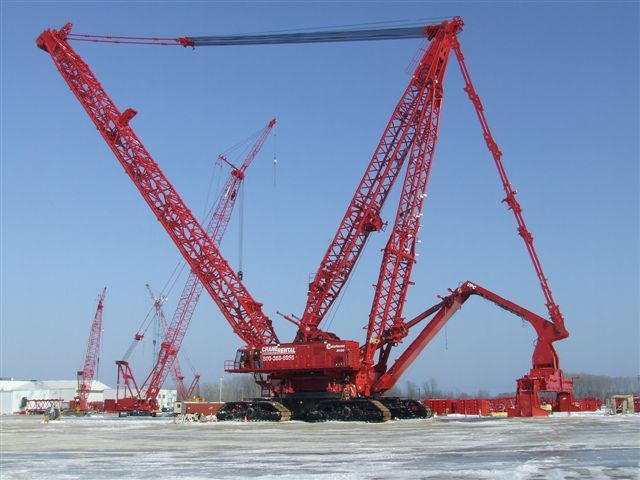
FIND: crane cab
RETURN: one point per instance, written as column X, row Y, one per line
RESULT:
column 315, row 356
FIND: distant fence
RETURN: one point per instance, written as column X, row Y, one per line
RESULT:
column 490, row 406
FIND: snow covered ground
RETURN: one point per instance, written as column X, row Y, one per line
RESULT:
column 560, row 447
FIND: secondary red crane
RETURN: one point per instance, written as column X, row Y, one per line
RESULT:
column 184, row 393
column 92, row 353
column 144, row 398
column 318, row 376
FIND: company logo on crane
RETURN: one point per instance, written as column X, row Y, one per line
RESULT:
column 338, row 348
column 277, row 350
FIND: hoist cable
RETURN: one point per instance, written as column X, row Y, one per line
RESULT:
column 309, row 37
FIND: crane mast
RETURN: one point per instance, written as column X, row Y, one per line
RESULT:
column 363, row 213
column 385, row 320
column 234, row 300
column 86, row 375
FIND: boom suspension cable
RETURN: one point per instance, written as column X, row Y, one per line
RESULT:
column 394, row 32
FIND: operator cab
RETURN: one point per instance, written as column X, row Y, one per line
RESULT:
column 242, row 359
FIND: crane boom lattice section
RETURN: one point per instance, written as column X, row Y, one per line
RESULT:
column 238, row 306
column 363, row 214
column 399, row 254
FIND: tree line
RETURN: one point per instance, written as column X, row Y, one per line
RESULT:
column 239, row 387
column 232, row 388
column 587, row 385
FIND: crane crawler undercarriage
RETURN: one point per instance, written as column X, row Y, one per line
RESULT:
column 318, row 376
column 314, row 408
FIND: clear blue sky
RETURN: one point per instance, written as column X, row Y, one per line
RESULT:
column 559, row 81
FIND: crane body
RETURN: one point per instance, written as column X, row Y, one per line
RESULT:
column 86, row 375
column 318, row 376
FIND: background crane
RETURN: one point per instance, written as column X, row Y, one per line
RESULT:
column 91, row 358
column 184, row 393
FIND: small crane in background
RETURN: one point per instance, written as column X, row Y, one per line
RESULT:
column 91, row 358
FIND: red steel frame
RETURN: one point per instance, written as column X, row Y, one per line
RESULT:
column 144, row 397
column 385, row 319
column 363, row 214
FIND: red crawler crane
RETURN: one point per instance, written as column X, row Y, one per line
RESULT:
column 144, row 398
column 86, row 375
column 319, row 376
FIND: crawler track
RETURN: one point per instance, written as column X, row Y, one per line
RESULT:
column 254, row 411
column 403, row 409
column 320, row 410
column 365, row 410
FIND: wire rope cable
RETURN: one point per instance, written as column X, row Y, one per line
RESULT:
column 384, row 30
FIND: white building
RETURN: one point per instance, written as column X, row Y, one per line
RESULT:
column 166, row 399
column 13, row 393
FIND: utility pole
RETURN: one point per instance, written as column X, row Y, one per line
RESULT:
column 220, row 396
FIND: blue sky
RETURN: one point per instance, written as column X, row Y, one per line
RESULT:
column 559, row 81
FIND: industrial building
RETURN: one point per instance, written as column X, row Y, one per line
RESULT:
column 15, row 393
